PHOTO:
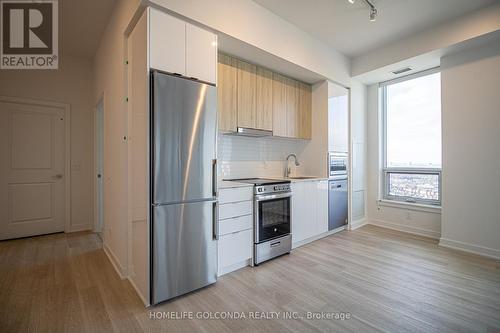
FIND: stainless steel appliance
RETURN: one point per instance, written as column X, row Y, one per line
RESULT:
column 337, row 203
column 252, row 132
column 337, row 190
column 272, row 218
column 183, row 186
column 337, row 164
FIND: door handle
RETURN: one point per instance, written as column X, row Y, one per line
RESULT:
column 58, row 176
column 215, row 220
column 214, row 177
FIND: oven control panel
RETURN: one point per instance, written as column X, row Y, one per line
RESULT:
column 277, row 188
column 282, row 187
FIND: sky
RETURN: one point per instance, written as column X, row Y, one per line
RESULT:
column 414, row 122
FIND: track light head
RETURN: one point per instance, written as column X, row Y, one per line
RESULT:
column 373, row 14
column 373, row 10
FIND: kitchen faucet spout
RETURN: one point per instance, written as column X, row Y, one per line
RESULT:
column 287, row 167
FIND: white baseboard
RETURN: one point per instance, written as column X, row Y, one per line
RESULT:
column 80, row 227
column 471, row 248
column 122, row 272
column 357, row 224
column 405, row 228
column 315, row 238
column 137, row 290
column 234, row 267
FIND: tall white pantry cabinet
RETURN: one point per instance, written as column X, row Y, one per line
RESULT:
column 166, row 43
column 181, row 48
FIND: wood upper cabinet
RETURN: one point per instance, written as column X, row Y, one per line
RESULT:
column 264, row 99
column 279, row 105
column 227, row 93
column 305, row 111
column 255, row 97
column 247, row 85
column 292, row 108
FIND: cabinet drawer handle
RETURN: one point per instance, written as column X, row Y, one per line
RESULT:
column 275, row 243
column 235, row 217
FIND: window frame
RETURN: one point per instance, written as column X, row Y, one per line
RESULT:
column 386, row 171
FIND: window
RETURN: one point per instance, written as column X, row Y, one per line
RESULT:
column 412, row 138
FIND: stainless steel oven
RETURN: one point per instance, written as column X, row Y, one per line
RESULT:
column 272, row 221
column 272, row 216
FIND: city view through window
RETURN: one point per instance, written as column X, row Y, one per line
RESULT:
column 413, row 138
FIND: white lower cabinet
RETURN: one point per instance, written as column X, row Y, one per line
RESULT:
column 235, row 224
column 235, row 231
column 322, row 206
column 309, row 210
column 301, row 212
column 235, row 250
column 235, row 209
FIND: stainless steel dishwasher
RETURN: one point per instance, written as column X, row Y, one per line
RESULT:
column 337, row 203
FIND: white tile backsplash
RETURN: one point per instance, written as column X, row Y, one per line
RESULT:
column 241, row 157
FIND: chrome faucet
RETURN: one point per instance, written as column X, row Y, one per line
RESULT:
column 287, row 168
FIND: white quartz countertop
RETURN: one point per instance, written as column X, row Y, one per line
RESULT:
column 309, row 179
column 231, row 184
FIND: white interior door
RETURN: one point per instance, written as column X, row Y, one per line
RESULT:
column 32, row 170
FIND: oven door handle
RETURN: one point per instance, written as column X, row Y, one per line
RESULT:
column 272, row 196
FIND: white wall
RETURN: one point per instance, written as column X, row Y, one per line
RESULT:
column 471, row 150
column 109, row 80
column 257, row 26
column 71, row 84
column 402, row 218
column 469, row 26
column 358, row 101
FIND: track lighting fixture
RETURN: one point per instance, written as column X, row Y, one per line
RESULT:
column 373, row 10
column 373, row 14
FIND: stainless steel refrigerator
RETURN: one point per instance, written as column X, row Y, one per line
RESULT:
column 184, row 186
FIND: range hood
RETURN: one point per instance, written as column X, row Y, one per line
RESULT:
column 251, row 132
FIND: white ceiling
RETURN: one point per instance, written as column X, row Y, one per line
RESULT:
column 346, row 26
column 81, row 24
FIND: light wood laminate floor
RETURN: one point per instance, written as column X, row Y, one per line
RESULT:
column 386, row 280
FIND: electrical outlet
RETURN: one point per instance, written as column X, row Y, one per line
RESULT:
column 408, row 215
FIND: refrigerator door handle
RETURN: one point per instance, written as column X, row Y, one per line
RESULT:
column 214, row 178
column 215, row 220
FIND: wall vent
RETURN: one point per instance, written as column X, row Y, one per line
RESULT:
column 402, row 70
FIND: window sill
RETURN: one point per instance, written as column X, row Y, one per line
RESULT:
column 410, row 206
